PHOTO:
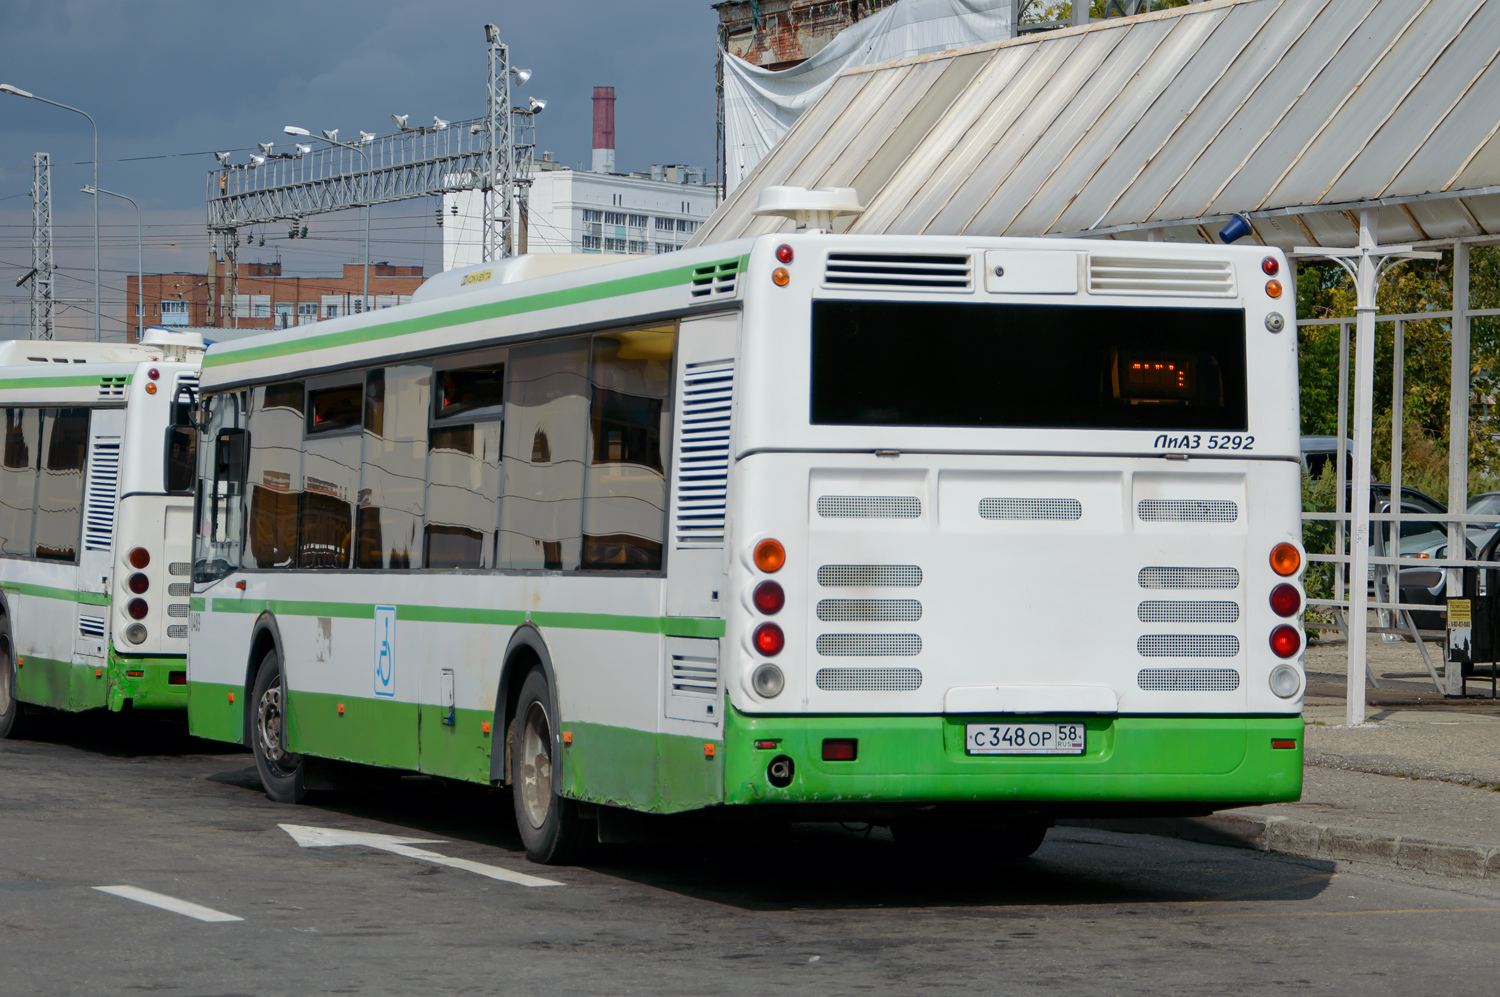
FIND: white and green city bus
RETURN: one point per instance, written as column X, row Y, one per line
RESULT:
column 96, row 507
column 952, row 534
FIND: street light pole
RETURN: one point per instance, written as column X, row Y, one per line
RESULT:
column 369, row 194
column 18, row 92
column 140, row 282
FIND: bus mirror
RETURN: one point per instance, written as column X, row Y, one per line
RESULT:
column 180, row 463
column 229, row 456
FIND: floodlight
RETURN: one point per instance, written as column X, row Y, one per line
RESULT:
column 85, row 190
column 475, row 129
column 521, row 75
column 537, row 105
column 18, row 92
column 222, row 157
column 331, row 134
column 400, row 120
column 257, row 160
column 1238, row 228
column 365, row 138
column 304, row 149
column 266, row 147
column 294, row 130
column 26, row 276
column 438, row 123
column 491, row 33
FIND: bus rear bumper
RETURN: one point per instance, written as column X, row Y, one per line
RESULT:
column 1219, row 760
column 157, row 682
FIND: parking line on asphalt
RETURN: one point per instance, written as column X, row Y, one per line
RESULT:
column 183, row 907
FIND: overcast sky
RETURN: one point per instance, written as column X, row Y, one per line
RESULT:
column 171, row 81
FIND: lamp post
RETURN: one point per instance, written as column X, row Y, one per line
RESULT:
column 330, row 138
column 18, row 92
column 140, row 282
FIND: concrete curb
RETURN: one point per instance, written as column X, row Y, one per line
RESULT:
column 1289, row 836
column 1395, row 765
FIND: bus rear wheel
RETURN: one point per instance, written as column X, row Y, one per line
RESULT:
column 281, row 772
column 931, row 837
column 549, row 825
column 11, row 724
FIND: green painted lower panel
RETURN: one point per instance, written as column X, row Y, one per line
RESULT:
column 642, row 770
column 460, row 750
column 370, row 731
column 1127, row 759
column 216, row 711
column 147, row 681
column 60, row 685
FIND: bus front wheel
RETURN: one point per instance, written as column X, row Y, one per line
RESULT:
column 11, row 724
column 281, row 772
column 550, row 826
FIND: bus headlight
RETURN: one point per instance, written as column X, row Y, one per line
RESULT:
column 1284, row 681
column 768, row 681
column 135, row 633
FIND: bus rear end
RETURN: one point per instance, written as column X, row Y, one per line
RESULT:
column 1014, row 524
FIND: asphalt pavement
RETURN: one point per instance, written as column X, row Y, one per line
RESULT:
column 210, row 894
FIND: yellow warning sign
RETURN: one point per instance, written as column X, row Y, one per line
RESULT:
column 1458, row 615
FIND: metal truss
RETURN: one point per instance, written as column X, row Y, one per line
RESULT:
column 43, row 302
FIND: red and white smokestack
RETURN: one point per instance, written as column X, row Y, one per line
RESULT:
column 604, row 129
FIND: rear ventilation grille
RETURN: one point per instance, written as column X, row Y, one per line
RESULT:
column 1187, row 511
column 869, row 679
column 869, row 506
column 869, row 610
column 1192, row 278
column 1188, row 679
column 112, row 387
column 1161, row 611
column 101, row 499
column 1030, row 508
column 897, row 270
column 179, row 568
column 177, row 630
column 703, row 454
column 869, row 645
column 1188, row 645
column 715, row 279
column 91, row 626
column 869, row 576
column 179, row 610
column 182, row 589
column 1189, row 578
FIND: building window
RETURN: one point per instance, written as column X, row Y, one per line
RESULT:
column 307, row 312
column 591, row 243
column 591, row 215
column 639, row 221
column 614, row 218
column 174, row 313
column 683, row 225
column 665, row 225
column 665, row 247
column 614, row 245
column 283, row 314
column 637, row 248
column 333, row 305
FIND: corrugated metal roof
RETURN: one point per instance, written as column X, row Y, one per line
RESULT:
column 1296, row 111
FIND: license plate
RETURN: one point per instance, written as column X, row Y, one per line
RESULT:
column 1024, row 739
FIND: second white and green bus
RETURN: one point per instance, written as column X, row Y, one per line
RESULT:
column 96, row 506
column 952, row 534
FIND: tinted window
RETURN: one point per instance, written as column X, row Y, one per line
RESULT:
column 221, row 487
column 332, row 409
column 18, row 474
column 1027, row 366
column 274, row 478
column 389, row 521
column 469, row 389
column 463, row 495
column 59, row 499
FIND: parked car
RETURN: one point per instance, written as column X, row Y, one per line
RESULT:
column 1317, row 451
column 1483, row 504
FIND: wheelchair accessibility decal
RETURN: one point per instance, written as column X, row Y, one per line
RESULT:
column 385, row 645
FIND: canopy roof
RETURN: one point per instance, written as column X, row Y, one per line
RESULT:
column 1296, row 111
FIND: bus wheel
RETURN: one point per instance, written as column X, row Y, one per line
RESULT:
column 281, row 772
column 928, row 838
column 549, row 824
column 11, row 724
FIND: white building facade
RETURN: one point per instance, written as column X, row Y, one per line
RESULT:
column 571, row 211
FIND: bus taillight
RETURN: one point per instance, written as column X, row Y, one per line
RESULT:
column 1285, row 559
column 769, row 640
column 139, row 557
column 769, row 598
column 769, row 556
column 138, row 583
column 1285, row 641
column 1285, row 599
column 136, row 608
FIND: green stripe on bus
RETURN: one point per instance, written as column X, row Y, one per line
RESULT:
column 463, row 316
column 197, row 604
column 672, row 626
column 61, row 381
column 48, row 592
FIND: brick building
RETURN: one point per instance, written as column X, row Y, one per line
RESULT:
column 260, row 297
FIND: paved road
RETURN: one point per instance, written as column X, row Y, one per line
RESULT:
column 822, row 910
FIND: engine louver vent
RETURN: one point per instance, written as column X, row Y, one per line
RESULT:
column 715, row 279
column 102, row 495
column 869, row 645
column 1188, row 645
column 91, row 626
column 868, row 679
column 1030, row 508
column 869, row 576
column 112, row 387
column 869, row 610
column 1168, row 611
column 1188, row 679
column 703, row 455
column 897, row 270
column 1187, row 511
column 1189, row 578
column 869, row 506
column 1192, row 278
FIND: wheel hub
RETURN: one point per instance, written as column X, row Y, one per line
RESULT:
column 269, row 725
column 536, row 765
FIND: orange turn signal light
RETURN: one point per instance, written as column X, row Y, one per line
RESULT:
column 484, row 726
column 780, row 277
column 1285, row 559
column 770, row 556
column 708, row 750
column 1273, row 288
column 567, row 737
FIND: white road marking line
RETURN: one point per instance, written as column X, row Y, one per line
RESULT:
column 165, row 902
column 327, row 837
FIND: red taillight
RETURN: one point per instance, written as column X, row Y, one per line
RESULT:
column 154, row 374
column 1277, row 742
column 769, row 556
column 784, row 254
column 138, row 557
column 768, row 639
column 1285, row 641
column 138, row 583
column 1270, row 267
column 840, row 749
column 766, row 744
column 136, row 608
column 176, row 678
column 1285, row 599
column 769, row 598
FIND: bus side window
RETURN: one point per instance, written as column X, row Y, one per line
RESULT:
column 18, row 474
column 59, row 502
column 388, row 520
column 274, row 474
column 463, row 466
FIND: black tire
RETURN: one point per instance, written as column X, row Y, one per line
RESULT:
column 282, row 774
column 550, row 827
column 12, row 724
column 934, row 839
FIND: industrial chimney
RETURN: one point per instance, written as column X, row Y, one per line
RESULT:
column 604, row 129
